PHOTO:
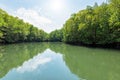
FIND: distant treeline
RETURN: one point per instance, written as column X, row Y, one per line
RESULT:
column 94, row 26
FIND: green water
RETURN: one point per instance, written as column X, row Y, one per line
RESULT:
column 58, row 61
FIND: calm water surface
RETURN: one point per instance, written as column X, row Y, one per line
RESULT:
column 58, row 61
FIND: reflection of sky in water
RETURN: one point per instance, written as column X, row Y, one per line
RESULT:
column 46, row 66
column 34, row 63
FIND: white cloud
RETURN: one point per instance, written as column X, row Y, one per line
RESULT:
column 33, row 17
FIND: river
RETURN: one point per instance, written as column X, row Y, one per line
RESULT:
column 58, row 61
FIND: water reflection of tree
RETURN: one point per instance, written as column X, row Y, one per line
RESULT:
column 12, row 56
column 90, row 64
column 87, row 63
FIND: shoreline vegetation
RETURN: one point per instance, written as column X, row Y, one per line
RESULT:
column 95, row 26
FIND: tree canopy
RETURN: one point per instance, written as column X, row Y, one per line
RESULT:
column 95, row 25
column 13, row 29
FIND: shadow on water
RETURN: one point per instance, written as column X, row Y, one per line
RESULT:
column 87, row 63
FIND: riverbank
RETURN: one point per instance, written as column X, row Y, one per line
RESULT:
column 108, row 46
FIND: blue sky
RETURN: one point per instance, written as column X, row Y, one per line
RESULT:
column 45, row 14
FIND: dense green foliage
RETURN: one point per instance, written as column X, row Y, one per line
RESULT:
column 95, row 25
column 56, row 36
column 14, row 30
